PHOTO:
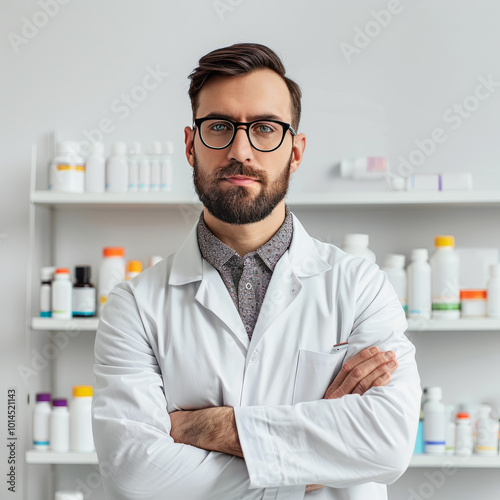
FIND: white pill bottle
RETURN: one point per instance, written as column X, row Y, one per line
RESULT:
column 41, row 421
column 419, row 285
column 357, row 244
column 80, row 419
column 434, row 422
column 111, row 272
column 59, row 425
column 445, row 265
column 394, row 267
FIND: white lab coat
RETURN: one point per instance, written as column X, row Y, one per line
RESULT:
column 172, row 339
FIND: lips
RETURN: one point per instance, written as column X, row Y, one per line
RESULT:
column 240, row 180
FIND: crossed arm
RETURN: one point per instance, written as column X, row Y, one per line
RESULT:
column 214, row 429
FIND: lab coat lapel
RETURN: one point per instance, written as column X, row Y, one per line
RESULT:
column 300, row 261
column 189, row 266
column 214, row 296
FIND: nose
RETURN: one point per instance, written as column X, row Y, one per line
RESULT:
column 240, row 150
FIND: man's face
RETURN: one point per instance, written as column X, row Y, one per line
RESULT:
column 238, row 184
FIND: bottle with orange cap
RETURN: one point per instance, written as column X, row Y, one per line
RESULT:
column 134, row 268
column 445, row 266
column 62, row 294
column 111, row 272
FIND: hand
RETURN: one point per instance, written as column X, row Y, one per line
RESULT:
column 369, row 368
column 313, row 487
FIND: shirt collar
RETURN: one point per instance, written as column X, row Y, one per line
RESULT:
column 187, row 262
column 217, row 253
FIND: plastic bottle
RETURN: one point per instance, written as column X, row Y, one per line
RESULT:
column 450, row 429
column 486, row 432
column 154, row 259
column 84, row 293
column 357, row 244
column 445, row 265
column 434, row 422
column 95, row 169
column 463, row 435
column 419, row 285
column 41, row 421
column 166, row 165
column 69, row 495
column 370, row 168
column 394, row 266
column 133, row 166
column 144, row 170
column 134, row 268
column 59, row 425
column 111, row 272
column 80, row 419
column 46, row 276
column 62, row 294
column 117, row 169
column 67, row 168
column 494, row 291
column 154, row 161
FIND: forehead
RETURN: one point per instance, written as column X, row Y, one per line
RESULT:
column 261, row 92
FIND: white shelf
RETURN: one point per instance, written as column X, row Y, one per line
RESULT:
column 51, row 324
column 414, row 326
column 472, row 462
column 344, row 198
column 457, row 325
column 54, row 457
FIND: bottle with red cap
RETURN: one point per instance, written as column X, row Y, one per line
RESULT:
column 111, row 272
column 62, row 294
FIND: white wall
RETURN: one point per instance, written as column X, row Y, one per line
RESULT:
column 69, row 75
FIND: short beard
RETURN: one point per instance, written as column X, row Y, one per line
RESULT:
column 236, row 205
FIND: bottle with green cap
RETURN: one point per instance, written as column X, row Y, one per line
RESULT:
column 445, row 270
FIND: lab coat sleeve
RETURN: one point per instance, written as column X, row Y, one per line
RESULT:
column 352, row 440
column 137, row 456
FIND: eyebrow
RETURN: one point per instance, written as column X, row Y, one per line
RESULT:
column 252, row 118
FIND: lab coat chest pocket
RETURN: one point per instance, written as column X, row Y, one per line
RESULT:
column 315, row 372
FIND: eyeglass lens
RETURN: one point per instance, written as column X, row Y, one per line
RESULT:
column 264, row 135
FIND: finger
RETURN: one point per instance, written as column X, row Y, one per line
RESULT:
column 361, row 371
column 351, row 363
column 376, row 375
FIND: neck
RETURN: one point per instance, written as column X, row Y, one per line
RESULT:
column 245, row 238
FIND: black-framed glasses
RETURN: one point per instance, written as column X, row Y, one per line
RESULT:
column 263, row 135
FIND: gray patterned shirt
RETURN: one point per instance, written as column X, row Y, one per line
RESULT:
column 248, row 277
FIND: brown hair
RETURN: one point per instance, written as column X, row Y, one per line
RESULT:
column 241, row 59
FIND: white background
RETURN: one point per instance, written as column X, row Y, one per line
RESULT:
column 70, row 73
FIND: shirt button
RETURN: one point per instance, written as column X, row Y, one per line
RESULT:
column 247, row 328
column 293, row 291
column 255, row 357
column 248, row 286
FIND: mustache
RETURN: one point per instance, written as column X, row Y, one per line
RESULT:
column 238, row 168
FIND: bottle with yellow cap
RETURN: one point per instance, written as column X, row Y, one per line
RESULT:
column 445, row 266
column 134, row 268
column 80, row 419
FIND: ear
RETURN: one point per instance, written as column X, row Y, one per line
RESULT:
column 189, row 141
column 299, row 144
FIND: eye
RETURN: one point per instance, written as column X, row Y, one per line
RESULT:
column 219, row 127
column 263, row 128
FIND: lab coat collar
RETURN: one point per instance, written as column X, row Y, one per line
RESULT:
column 303, row 256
